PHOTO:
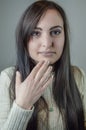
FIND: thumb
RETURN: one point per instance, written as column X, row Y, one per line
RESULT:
column 18, row 78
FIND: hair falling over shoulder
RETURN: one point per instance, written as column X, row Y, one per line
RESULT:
column 65, row 92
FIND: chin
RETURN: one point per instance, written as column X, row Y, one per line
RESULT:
column 52, row 62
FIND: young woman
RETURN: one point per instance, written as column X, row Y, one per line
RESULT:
column 44, row 91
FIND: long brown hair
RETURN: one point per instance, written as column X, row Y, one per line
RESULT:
column 65, row 92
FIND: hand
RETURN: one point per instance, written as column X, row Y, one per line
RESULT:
column 30, row 90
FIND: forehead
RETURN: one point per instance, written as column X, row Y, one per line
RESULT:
column 50, row 18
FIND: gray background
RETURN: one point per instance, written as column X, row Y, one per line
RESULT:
column 10, row 12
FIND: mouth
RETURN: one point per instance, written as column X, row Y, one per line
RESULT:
column 47, row 53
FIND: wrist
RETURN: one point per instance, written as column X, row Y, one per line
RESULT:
column 23, row 106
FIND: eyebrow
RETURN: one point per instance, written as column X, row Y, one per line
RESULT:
column 58, row 26
column 54, row 27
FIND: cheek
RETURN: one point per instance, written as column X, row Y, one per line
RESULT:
column 59, row 45
column 32, row 47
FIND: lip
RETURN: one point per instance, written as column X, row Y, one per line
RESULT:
column 47, row 53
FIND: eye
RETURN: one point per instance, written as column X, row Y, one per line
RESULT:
column 35, row 34
column 55, row 32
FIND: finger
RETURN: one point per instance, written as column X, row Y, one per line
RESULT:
column 42, row 71
column 35, row 70
column 47, row 84
column 45, row 77
column 18, row 78
column 49, row 81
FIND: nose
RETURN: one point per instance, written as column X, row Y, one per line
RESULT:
column 47, row 41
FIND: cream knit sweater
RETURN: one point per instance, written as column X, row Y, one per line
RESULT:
column 16, row 118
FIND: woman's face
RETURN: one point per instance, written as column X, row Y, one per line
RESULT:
column 47, row 40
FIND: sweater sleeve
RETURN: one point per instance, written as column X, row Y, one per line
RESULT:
column 11, row 117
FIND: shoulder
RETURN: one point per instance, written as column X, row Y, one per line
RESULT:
column 78, row 72
column 6, row 76
column 80, row 78
column 8, row 71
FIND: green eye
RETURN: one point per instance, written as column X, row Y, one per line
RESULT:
column 55, row 32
